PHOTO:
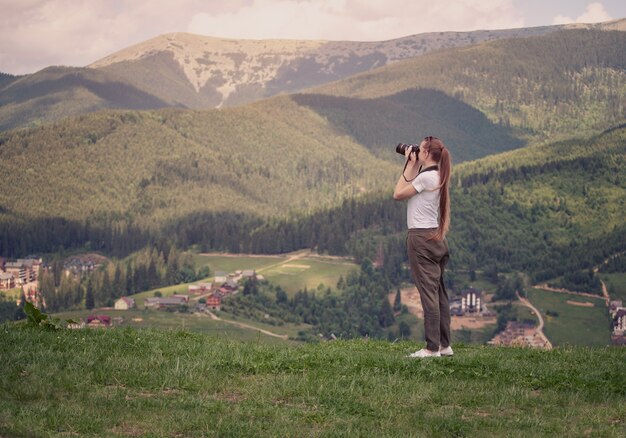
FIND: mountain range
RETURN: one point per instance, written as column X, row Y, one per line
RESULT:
column 525, row 114
column 192, row 71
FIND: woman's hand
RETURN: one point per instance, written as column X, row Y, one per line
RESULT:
column 410, row 156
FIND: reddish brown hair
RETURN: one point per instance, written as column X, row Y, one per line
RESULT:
column 440, row 154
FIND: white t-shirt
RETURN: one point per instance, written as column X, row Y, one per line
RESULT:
column 423, row 208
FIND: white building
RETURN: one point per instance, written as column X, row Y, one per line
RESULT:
column 471, row 300
column 124, row 303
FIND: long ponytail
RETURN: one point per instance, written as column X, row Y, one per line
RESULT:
column 441, row 155
column 445, row 168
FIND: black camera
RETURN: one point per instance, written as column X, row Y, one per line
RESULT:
column 401, row 148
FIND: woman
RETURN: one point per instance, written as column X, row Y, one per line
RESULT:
column 424, row 182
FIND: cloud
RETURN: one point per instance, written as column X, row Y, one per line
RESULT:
column 38, row 33
column 357, row 20
column 595, row 13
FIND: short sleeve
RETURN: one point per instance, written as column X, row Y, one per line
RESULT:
column 418, row 183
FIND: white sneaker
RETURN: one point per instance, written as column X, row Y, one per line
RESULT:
column 424, row 353
column 446, row 351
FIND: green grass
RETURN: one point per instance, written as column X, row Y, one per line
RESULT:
column 574, row 325
column 165, row 291
column 129, row 382
column 232, row 262
column 616, row 283
column 193, row 322
column 12, row 294
column 291, row 275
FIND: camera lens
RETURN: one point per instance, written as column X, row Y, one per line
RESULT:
column 401, row 148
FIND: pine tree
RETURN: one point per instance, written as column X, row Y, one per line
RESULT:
column 118, row 282
column 89, row 298
column 404, row 330
column 129, row 278
column 106, row 290
column 385, row 314
column 397, row 302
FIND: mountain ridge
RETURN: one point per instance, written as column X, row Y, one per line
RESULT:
column 185, row 70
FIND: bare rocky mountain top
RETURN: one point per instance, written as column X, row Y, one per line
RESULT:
column 232, row 71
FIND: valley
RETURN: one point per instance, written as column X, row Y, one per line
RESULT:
column 104, row 159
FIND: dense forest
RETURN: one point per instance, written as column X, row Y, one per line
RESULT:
column 546, row 217
column 316, row 171
column 157, row 265
column 563, row 84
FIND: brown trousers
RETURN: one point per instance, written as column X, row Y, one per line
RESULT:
column 428, row 259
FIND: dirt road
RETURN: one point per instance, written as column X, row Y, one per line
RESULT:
column 214, row 317
column 536, row 311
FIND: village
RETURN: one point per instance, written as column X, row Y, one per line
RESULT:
column 469, row 309
column 201, row 297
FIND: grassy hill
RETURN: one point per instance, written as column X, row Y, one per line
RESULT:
column 543, row 202
column 273, row 157
column 270, row 159
column 572, row 320
column 563, row 84
column 57, row 92
column 143, row 382
column 410, row 115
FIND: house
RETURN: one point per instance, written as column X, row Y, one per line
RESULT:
column 248, row 273
column 220, row 277
column 23, row 270
column 519, row 334
column 31, row 267
column 471, row 300
column 124, row 303
column 455, row 308
column 98, row 321
column 619, row 322
column 77, row 325
column 614, row 306
column 164, row 302
column 199, row 288
column 214, row 301
column 7, row 281
column 185, row 298
column 229, row 287
column 17, row 270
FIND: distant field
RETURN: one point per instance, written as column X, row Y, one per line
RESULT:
column 193, row 322
column 575, row 324
column 165, row 291
column 233, row 262
column 290, row 271
column 616, row 283
column 12, row 294
column 481, row 282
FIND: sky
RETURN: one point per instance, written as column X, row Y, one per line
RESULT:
column 35, row 34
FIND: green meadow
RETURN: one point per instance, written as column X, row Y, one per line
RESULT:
column 292, row 272
column 193, row 322
column 586, row 324
column 616, row 283
column 131, row 382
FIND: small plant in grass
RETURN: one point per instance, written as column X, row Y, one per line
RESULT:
column 36, row 318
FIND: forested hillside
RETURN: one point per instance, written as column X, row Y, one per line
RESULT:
column 57, row 92
column 560, row 85
column 281, row 155
column 410, row 115
column 316, row 170
column 6, row 79
column 559, row 212
column 147, row 168
column 544, row 210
